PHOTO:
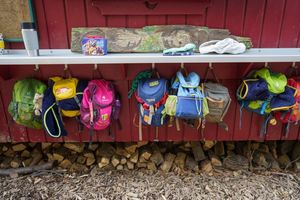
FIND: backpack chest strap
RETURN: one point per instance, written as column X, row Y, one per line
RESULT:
column 156, row 105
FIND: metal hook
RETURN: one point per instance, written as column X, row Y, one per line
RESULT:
column 210, row 65
column 36, row 68
column 66, row 67
column 182, row 66
column 95, row 66
column 266, row 64
column 153, row 66
column 294, row 65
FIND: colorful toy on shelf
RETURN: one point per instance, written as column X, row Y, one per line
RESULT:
column 94, row 45
column 1, row 44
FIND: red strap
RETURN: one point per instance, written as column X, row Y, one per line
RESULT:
column 156, row 105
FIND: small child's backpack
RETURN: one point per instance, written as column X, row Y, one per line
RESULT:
column 264, row 94
column 218, row 100
column 99, row 105
column 151, row 94
column 26, row 105
column 291, row 115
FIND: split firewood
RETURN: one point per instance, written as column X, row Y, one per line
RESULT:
column 208, row 144
column 4, row 148
column 254, row 145
column 130, row 147
column 130, row 165
column 236, row 162
column 104, row 161
column 180, row 160
column 134, row 157
column 142, row 160
column 145, row 152
column 230, row 146
column 65, row 164
column 191, row 164
column 157, row 158
column 26, row 162
column 120, row 167
column 27, row 170
column 105, row 150
column 198, row 151
column 56, row 145
column 58, row 156
column 286, row 146
column 9, row 153
column 272, row 162
column 214, row 159
column 89, row 155
column 19, row 147
column 90, row 161
column 115, row 160
column 296, row 151
column 219, row 149
column 32, row 144
column 283, row 161
column 206, row 166
column 121, row 151
column 141, row 143
column 81, row 159
column 151, row 166
column 45, row 145
column 141, row 165
column 76, row 167
column 36, row 158
column 16, row 162
column 25, row 154
column 123, row 161
column 259, row 159
column 168, row 162
column 93, row 146
column 77, row 147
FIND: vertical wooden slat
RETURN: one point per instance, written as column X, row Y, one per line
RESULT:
column 271, row 31
column 4, row 130
column 290, row 26
column 216, row 14
column 197, row 20
column 254, row 20
column 42, row 24
column 56, row 23
column 235, row 16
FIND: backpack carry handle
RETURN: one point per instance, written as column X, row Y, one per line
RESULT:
column 96, row 71
column 67, row 72
column 210, row 69
column 154, row 72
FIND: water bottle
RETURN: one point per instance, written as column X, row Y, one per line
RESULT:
column 30, row 38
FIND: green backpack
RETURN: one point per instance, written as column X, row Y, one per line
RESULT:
column 26, row 105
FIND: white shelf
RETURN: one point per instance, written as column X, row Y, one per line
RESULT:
column 65, row 56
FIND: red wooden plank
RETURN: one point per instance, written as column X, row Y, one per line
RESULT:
column 42, row 24
column 271, row 31
column 229, row 119
column 4, row 131
column 254, row 20
column 75, row 19
column 156, row 20
column 93, row 16
column 123, row 135
column 290, row 27
column 176, row 19
column 235, row 16
column 56, row 23
column 216, row 14
column 136, row 21
column 197, row 20
column 137, row 7
column 18, row 133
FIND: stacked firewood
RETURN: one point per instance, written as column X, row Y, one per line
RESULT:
column 204, row 156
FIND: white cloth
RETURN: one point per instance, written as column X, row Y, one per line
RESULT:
column 227, row 45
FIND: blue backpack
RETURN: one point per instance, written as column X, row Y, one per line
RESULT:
column 189, row 96
column 151, row 95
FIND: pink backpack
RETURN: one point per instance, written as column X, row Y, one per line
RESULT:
column 99, row 105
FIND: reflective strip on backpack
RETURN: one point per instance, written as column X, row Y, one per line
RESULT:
column 56, row 120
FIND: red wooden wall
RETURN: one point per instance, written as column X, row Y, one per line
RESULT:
column 270, row 23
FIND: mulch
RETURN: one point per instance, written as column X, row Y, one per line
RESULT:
column 142, row 184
